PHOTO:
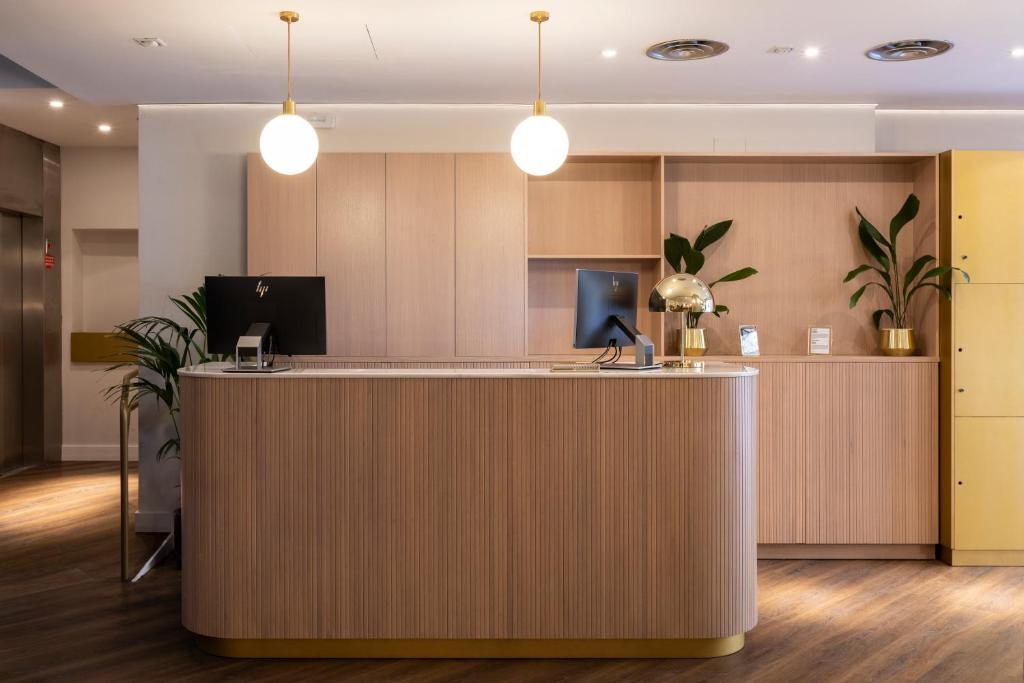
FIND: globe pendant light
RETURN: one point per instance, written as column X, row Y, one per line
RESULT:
column 288, row 144
column 539, row 143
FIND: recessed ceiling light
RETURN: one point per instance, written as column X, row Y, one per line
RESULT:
column 1017, row 52
column 609, row 52
column 56, row 104
column 812, row 52
column 104, row 128
column 150, row 42
column 908, row 50
column 686, row 49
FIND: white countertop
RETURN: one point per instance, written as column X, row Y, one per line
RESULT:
column 710, row 369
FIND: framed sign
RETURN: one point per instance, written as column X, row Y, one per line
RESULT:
column 819, row 341
column 748, row 341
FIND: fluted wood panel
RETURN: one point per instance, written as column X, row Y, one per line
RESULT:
column 873, row 454
column 486, row 508
column 219, row 506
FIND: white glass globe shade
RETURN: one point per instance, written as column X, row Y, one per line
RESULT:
column 289, row 144
column 539, row 145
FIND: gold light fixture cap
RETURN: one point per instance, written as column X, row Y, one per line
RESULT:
column 540, row 16
column 538, row 107
column 289, row 106
column 289, row 16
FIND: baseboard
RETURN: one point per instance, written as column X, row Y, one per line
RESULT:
column 96, row 452
column 154, row 522
column 982, row 558
column 845, row 551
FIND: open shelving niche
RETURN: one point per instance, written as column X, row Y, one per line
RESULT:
column 794, row 221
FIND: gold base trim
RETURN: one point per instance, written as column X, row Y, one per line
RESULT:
column 483, row 648
column 982, row 558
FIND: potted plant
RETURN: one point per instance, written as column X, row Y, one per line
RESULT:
column 899, row 287
column 159, row 347
column 689, row 258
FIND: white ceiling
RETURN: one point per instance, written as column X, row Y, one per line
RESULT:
column 75, row 125
column 482, row 51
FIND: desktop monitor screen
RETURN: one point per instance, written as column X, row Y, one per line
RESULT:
column 292, row 306
column 600, row 295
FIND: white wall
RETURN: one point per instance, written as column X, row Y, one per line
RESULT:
column 939, row 130
column 99, row 283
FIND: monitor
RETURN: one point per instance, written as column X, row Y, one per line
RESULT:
column 288, row 313
column 606, row 304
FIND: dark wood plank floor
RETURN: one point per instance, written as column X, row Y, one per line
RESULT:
column 64, row 614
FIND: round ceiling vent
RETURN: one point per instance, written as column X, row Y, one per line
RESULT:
column 685, row 49
column 908, row 50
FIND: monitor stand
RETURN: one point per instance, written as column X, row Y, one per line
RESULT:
column 250, row 346
column 643, row 349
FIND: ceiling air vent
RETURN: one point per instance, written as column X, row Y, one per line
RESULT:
column 908, row 50
column 686, row 49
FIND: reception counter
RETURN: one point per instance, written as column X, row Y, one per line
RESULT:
column 469, row 513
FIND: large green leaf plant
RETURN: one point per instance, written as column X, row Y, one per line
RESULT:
column 159, row 347
column 899, row 288
column 689, row 258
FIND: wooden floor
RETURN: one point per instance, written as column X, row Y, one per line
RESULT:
column 64, row 615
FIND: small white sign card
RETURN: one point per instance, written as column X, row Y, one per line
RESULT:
column 819, row 341
column 748, row 341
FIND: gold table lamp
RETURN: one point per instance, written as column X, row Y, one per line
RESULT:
column 682, row 293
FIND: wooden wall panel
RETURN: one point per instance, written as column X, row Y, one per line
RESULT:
column 421, row 255
column 482, row 508
column 873, row 453
column 351, row 251
column 795, row 223
column 281, row 223
column 219, row 507
column 490, row 256
column 596, row 207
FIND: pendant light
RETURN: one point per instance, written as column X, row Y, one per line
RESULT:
column 288, row 144
column 539, row 143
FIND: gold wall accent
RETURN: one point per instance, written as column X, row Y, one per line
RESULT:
column 98, row 347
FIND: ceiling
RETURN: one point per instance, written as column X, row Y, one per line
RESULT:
column 482, row 51
column 75, row 125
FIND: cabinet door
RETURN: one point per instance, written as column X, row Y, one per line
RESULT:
column 490, row 256
column 987, row 345
column 421, row 255
column 988, row 485
column 281, row 225
column 988, row 215
column 351, row 252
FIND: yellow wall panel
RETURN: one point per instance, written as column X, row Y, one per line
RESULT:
column 989, row 484
column 987, row 345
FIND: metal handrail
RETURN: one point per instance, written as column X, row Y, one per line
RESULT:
column 127, row 406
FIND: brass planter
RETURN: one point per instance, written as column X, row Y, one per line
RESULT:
column 897, row 342
column 696, row 342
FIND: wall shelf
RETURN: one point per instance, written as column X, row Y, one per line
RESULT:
column 588, row 257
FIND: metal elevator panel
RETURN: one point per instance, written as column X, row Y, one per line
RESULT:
column 11, row 341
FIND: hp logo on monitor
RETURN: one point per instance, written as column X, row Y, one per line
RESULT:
column 261, row 289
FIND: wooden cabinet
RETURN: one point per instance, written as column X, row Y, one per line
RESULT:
column 982, row 483
column 490, row 256
column 421, row 255
column 281, row 235
column 988, row 214
column 989, row 325
column 988, row 483
column 351, row 251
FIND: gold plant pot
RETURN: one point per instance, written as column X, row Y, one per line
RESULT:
column 897, row 342
column 696, row 342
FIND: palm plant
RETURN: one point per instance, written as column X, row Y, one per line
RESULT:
column 684, row 257
column 899, row 288
column 159, row 347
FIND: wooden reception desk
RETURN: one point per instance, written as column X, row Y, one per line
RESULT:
column 469, row 513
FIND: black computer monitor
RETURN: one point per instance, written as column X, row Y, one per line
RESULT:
column 600, row 296
column 293, row 307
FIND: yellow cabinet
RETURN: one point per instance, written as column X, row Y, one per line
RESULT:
column 988, row 486
column 987, row 207
column 987, row 361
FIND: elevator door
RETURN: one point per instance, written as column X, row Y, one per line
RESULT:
column 11, row 336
